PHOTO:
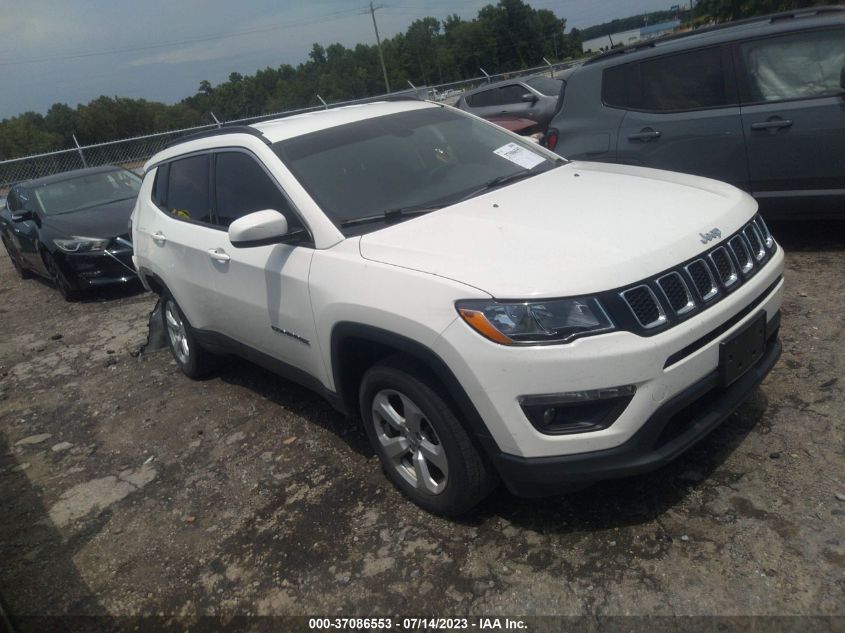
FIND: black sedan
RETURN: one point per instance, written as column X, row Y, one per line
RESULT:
column 72, row 228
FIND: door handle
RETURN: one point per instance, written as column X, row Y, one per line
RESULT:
column 158, row 238
column 218, row 255
column 646, row 135
column 772, row 125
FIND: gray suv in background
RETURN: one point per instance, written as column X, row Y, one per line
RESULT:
column 758, row 103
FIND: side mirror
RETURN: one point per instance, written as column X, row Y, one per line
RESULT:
column 529, row 97
column 258, row 229
column 23, row 215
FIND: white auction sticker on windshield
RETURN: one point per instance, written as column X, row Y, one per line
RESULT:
column 519, row 155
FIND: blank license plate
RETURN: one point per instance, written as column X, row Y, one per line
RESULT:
column 739, row 353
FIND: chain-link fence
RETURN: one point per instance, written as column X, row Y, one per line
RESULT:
column 133, row 152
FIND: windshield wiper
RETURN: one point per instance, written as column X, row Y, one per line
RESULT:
column 393, row 215
column 500, row 181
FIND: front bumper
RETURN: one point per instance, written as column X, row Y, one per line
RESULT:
column 102, row 268
column 673, row 428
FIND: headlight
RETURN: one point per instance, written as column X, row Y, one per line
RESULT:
column 555, row 321
column 81, row 244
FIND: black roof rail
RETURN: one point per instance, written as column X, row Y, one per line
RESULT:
column 218, row 131
column 771, row 18
column 797, row 13
column 621, row 50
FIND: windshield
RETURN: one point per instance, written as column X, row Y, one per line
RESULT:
column 428, row 157
column 90, row 190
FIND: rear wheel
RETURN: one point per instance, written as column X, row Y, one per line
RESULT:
column 17, row 262
column 193, row 360
column 423, row 447
column 68, row 288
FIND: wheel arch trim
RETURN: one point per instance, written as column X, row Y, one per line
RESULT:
column 346, row 389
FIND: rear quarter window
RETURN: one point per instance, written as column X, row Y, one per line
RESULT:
column 613, row 89
column 159, row 194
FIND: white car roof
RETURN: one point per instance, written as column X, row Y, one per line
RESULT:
column 299, row 124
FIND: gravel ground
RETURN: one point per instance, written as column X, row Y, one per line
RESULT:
column 127, row 489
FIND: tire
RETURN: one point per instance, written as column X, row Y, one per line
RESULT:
column 423, row 447
column 69, row 290
column 15, row 256
column 194, row 361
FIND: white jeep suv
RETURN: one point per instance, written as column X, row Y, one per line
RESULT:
column 490, row 310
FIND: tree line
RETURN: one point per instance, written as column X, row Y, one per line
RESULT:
column 505, row 36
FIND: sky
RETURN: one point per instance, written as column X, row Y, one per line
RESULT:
column 73, row 51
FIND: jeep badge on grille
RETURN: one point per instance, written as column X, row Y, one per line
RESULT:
column 710, row 235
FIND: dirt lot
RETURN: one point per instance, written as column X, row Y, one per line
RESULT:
column 125, row 488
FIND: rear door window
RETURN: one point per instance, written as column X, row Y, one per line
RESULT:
column 796, row 66
column 687, row 81
column 243, row 187
column 188, row 189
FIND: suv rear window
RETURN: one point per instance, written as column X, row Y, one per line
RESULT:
column 691, row 80
column 687, row 81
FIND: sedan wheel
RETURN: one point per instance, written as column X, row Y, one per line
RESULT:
column 69, row 292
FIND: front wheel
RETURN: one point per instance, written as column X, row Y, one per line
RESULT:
column 65, row 286
column 193, row 360
column 423, row 447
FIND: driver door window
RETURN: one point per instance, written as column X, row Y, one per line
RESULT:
column 243, row 187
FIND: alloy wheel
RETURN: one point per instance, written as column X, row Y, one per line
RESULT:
column 176, row 333
column 410, row 441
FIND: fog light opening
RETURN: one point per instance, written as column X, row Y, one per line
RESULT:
column 577, row 411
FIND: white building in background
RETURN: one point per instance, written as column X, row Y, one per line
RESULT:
column 626, row 38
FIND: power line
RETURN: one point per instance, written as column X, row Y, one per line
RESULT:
column 207, row 38
column 378, row 42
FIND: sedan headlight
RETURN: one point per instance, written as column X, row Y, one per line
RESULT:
column 78, row 244
column 554, row 321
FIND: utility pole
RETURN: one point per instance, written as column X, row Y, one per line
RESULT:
column 378, row 42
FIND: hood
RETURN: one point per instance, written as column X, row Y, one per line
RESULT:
column 578, row 229
column 108, row 220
